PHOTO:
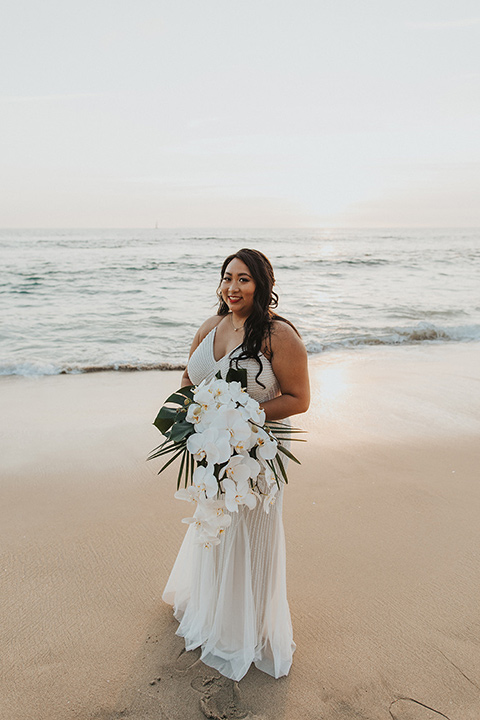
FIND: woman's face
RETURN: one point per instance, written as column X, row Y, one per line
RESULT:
column 238, row 288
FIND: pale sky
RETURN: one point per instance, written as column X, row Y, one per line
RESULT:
column 240, row 113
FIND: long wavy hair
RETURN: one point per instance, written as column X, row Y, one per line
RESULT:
column 258, row 325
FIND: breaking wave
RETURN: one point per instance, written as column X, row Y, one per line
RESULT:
column 423, row 332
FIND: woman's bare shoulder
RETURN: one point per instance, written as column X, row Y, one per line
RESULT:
column 283, row 329
column 285, row 337
column 208, row 326
column 203, row 331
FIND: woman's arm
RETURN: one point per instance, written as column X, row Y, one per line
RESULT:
column 289, row 363
column 199, row 335
column 185, row 379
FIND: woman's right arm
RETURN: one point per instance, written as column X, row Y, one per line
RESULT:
column 196, row 342
column 202, row 332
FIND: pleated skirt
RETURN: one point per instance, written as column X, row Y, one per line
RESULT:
column 231, row 600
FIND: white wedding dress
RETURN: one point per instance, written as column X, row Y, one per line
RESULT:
column 231, row 599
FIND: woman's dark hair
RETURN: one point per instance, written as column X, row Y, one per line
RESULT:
column 258, row 325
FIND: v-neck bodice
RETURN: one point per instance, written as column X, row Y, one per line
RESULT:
column 213, row 333
column 202, row 365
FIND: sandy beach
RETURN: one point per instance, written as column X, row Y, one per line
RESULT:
column 383, row 548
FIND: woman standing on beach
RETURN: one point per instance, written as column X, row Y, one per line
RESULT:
column 231, row 600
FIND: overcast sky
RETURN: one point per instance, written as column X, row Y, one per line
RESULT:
column 231, row 113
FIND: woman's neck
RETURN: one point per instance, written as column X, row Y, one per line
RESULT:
column 237, row 320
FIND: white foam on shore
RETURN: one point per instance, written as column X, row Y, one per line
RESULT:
column 38, row 369
column 423, row 333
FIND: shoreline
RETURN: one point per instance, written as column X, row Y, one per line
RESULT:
column 337, row 351
column 382, row 538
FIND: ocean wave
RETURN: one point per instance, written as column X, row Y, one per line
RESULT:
column 332, row 262
column 32, row 369
column 352, row 261
column 423, row 332
column 417, row 313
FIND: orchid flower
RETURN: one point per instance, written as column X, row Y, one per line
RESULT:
column 237, row 468
column 203, row 396
column 239, row 493
column 269, row 475
column 211, row 445
column 269, row 499
column 204, row 479
column 220, row 392
column 266, row 446
column 231, row 420
column 190, row 494
column 253, row 465
column 194, row 413
column 204, row 518
column 252, row 411
column 207, row 541
column 238, row 393
column 210, row 521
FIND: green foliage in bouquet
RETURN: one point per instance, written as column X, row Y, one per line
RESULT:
column 172, row 422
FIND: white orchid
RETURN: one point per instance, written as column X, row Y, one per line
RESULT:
column 210, row 521
column 238, row 393
column 202, row 518
column 220, row 391
column 231, row 420
column 269, row 499
column 211, row 445
column 269, row 475
column 205, row 516
column 266, row 446
column 245, row 445
column 220, row 521
column 237, row 469
column 252, row 411
column 206, row 418
column 190, row 494
column 204, row 479
column 207, row 541
column 218, row 507
column 238, row 493
column 194, row 413
column 253, row 465
column 204, row 396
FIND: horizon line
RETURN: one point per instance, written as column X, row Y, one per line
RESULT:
column 241, row 227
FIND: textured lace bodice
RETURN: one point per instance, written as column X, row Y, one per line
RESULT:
column 202, row 365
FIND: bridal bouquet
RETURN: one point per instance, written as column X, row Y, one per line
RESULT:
column 228, row 455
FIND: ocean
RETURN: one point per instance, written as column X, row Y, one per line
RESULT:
column 85, row 300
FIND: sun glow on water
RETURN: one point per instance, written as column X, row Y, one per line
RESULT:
column 327, row 250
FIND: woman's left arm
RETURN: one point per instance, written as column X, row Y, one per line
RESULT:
column 290, row 365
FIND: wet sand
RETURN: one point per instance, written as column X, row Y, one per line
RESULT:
column 382, row 534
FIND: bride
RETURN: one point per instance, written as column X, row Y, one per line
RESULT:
column 231, row 600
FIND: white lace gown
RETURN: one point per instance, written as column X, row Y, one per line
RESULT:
column 231, row 600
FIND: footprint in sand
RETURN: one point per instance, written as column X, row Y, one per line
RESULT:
column 221, row 699
column 410, row 709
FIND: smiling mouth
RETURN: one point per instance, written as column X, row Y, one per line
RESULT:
column 233, row 298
